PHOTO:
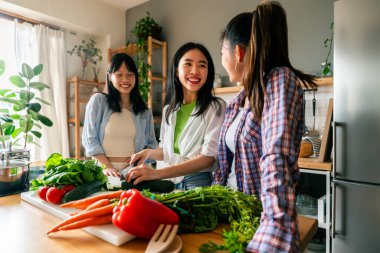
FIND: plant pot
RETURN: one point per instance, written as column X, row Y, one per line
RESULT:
column 155, row 33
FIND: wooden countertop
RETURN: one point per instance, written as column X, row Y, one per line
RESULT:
column 23, row 229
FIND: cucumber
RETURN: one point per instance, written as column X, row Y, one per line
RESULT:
column 159, row 186
column 82, row 191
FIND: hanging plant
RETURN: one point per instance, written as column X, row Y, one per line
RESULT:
column 326, row 65
column 144, row 28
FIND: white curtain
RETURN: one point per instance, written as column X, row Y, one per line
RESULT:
column 39, row 44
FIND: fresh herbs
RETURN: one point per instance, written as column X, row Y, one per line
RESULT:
column 203, row 208
column 61, row 171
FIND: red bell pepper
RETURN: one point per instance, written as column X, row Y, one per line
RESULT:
column 140, row 216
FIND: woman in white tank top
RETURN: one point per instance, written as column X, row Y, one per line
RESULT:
column 118, row 123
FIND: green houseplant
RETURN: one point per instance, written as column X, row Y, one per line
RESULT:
column 22, row 124
column 144, row 28
column 326, row 65
column 88, row 53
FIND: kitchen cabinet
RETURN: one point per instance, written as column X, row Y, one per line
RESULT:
column 315, row 166
column 75, row 121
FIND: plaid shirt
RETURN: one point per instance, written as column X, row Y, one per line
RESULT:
column 266, row 158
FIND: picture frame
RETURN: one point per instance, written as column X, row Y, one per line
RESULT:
column 327, row 143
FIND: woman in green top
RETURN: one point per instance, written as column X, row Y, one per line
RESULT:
column 190, row 126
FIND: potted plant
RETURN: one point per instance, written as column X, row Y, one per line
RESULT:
column 326, row 65
column 22, row 124
column 144, row 28
column 88, row 53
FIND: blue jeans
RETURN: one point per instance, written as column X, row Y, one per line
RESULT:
column 195, row 180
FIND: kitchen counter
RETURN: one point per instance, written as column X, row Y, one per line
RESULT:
column 23, row 229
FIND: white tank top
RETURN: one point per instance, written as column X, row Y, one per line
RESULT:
column 119, row 135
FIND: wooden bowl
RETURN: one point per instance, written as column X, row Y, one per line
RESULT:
column 306, row 149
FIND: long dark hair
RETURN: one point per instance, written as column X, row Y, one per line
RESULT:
column 264, row 34
column 113, row 95
column 174, row 93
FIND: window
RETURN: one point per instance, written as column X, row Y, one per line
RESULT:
column 7, row 52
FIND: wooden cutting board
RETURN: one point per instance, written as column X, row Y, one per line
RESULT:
column 108, row 232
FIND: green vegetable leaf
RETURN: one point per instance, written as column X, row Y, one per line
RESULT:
column 53, row 161
column 27, row 71
column 38, row 69
column 18, row 81
column 45, row 120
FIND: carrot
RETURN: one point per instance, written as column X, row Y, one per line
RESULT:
column 99, row 203
column 92, row 221
column 84, row 203
column 83, row 215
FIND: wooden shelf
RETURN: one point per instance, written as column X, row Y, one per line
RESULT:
column 314, row 164
column 76, row 82
column 85, row 82
column 132, row 49
column 326, row 81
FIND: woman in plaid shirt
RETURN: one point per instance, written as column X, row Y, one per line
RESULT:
column 261, row 134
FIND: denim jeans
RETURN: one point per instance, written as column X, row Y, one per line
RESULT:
column 195, row 180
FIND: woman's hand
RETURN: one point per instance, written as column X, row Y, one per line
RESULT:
column 141, row 173
column 141, row 157
column 110, row 171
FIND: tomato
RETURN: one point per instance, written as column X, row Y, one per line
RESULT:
column 54, row 195
column 42, row 192
column 68, row 188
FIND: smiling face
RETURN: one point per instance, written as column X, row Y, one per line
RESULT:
column 123, row 80
column 192, row 71
column 230, row 62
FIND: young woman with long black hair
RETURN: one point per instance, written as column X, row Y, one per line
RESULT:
column 190, row 126
column 118, row 123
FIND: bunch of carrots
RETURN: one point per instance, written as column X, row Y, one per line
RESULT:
column 96, row 210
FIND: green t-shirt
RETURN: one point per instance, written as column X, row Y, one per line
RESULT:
column 183, row 116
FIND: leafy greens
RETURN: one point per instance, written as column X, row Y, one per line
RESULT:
column 203, row 208
column 64, row 171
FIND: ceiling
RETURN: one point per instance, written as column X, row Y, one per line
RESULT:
column 123, row 4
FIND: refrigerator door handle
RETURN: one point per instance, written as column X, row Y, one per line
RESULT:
column 334, row 149
column 333, row 213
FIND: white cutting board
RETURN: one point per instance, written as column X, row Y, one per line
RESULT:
column 108, row 232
